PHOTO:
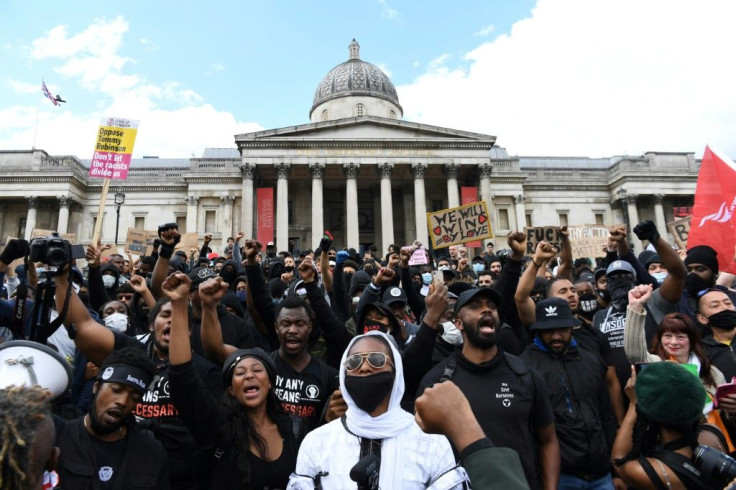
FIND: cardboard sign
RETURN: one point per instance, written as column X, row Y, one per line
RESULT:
column 588, row 240
column 188, row 241
column 469, row 195
column 536, row 234
column 139, row 242
column 113, row 148
column 680, row 229
column 113, row 250
column 466, row 223
column 39, row 233
column 419, row 257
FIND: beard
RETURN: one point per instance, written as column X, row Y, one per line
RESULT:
column 97, row 425
column 619, row 287
column 482, row 341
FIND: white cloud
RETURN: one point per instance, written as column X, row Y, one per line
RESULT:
column 217, row 67
column 439, row 61
column 593, row 77
column 174, row 119
column 25, row 87
column 384, row 69
column 485, row 31
column 387, row 11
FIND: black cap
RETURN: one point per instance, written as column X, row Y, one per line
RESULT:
column 198, row 275
column 468, row 295
column 554, row 313
column 394, row 295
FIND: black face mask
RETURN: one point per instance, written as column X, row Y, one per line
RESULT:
column 369, row 391
column 725, row 319
column 605, row 295
column 348, row 278
column 587, row 306
column 289, row 268
column 84, row 297
column 694, row 284
column 228, row 275
column 619, row 286
column 370, row 325
column 417, row 285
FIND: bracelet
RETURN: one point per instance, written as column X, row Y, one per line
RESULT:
column 538, row 265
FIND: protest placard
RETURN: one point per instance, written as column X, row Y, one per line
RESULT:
column 588, row 240
column 419, row 257
column 536, row 234
column 139, row 242
column 462, row 224
column 113, row 250
column 680, row 229
column 39, row 233
column 188, row 241
column 113, row 148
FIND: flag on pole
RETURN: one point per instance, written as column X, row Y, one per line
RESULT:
column 714, row 222
column 48, row 95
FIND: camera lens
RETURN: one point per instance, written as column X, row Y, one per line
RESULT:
column 56, row 256
column 714, row 464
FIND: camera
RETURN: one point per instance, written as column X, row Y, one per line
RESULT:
column 54, row 251
column 715, row 465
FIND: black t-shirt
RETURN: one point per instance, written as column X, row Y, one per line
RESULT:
column 508, row 406
column 108, row 458
column 593, row 341
column 612, row 323
column 305, row 393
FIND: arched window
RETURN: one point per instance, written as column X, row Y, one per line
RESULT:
column 325, row 115
column 359, row 109
column 392, row 114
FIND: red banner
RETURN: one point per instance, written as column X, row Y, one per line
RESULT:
column 264, row 196
column 468, row 195
column 713, row 220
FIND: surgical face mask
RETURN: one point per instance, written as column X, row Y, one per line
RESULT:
column 426, row 277
column 443, row 267
column 108, row 280
column 117, row 322
column 477, row 268
column 451, row 334
column 241, row 296
column 659, row 276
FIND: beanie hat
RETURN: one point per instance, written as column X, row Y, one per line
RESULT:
column 669, row 394
column 360, row 280
column 703, row 254
column 276, row 287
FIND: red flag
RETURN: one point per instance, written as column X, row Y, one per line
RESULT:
column 46, row 92
column 713, row 222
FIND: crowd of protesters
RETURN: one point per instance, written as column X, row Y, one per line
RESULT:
column 250, row 367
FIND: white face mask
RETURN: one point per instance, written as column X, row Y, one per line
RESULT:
column 451, row 334
column 108, row 280
column 117, row 322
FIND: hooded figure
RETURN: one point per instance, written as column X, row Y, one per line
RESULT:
column 408, row 459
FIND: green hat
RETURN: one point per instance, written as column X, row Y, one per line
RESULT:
column 670, row 395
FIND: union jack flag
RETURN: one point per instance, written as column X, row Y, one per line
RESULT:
column 47, row 93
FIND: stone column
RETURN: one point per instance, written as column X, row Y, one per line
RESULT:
column 453, row 197
column 408, row 213
column 192, row 214
column 633, row 221
column 282, row 206
column 2, row 218
column 351, row 171
column 659, row 218
column 520, row 212
column 31, row 216
column 227, row 217
column 420, row 202
column 387, row 209
column 317, row 170
column 63, row 223
column 485, row 170
column 246, row 212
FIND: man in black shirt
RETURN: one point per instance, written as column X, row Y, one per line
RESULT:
column 103, row 449
column 508, row 399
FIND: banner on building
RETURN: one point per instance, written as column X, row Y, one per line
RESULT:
column 588, row 240
column 463, row 224
column 264, row 198
column 713, row 222
column 680, row 229
column 469, row 195
column 113, row 148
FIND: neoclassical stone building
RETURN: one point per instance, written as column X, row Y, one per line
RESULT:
column 357, row 169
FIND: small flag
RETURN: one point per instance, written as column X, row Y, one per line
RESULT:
column 714, row 221
column 48, row 95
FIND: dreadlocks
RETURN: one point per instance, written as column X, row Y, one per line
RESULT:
column 22, row 410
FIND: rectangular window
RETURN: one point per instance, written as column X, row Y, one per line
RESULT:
column 563, row 219
column 210, row 221
column 599, row 219
column 140, row 223
column 528, row 220
column 21, row 228
column 181, row 223
column 503, row 219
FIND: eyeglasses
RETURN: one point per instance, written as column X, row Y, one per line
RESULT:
column 125, row 297
column 376, row 359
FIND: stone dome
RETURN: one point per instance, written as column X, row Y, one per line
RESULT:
column 355, row 77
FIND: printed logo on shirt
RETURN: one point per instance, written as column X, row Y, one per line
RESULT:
column 105, row 473
column 505, row 395
column 312, row 391
column 294, row 397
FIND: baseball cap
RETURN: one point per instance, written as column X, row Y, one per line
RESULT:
column 620, row 266
column 553, row 313
column 270, row 244
column 467, row 296
column 198, row 275
column 394, row 295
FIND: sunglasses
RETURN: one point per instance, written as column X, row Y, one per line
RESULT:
column 125, row 297
column 376, row 359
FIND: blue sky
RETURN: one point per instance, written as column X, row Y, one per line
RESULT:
column 546, row 77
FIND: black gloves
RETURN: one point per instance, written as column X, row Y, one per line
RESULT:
column 646, row 230
column 325, row 244
column 15, row 249
column 165, row 250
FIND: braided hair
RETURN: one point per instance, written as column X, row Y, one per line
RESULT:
column 22, row 410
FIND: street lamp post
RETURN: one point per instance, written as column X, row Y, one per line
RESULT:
column 119, row 200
